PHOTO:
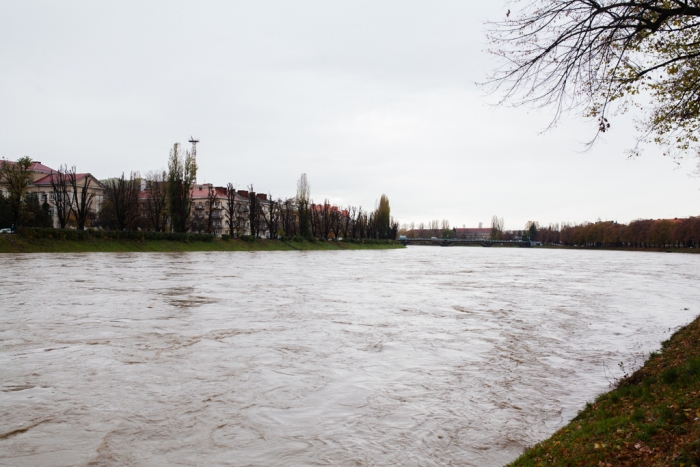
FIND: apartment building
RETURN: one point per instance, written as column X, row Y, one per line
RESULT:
column 208, row 199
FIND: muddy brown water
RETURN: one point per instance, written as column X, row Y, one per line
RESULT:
column 419, row 357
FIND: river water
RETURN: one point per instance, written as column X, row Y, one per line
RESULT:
column 417, row 357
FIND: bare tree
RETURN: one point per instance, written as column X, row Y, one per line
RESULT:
column 81, row 204
column 336, row 222
column 272, row 216
column 231, row 211
column 123, row 194
column 348, row 218
column 254, row 211
column 157, row 199
column 288, row 216
column 315, row 220
column 211, row 206
column 372, row 225
column 393, row 229
column 497, row 225
column 61, row 199
column 325, row 220
column 357, row 228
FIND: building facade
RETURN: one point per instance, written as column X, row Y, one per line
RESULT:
column 40, row 183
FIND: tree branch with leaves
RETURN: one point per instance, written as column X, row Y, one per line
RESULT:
column 598, row 57
column 16, row 175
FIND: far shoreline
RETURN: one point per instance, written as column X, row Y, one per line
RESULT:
column 17, row 244
column 622, row 248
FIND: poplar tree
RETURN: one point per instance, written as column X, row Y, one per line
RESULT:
column 182, row 170
column 302, row 201
column 383, row 217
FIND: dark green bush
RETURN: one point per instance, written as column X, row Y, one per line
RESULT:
column 225, row 237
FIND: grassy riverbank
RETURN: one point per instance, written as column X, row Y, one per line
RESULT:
column 651, row 418
column 18, row 244
column 624, row 248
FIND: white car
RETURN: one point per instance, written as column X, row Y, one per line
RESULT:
column 2, row 231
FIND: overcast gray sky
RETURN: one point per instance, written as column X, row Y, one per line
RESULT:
column 366, row 97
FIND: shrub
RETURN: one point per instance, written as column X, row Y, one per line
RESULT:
column 225, row 237
column 247, row 238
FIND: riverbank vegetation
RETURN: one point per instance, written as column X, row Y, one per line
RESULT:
column 648, row 234
column 74, row 241
column 663, row 233
column 650, row 418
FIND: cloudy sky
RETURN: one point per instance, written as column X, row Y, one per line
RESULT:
column 366, row 97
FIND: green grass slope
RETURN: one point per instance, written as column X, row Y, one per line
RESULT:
column 18, row 244
column 652, row 418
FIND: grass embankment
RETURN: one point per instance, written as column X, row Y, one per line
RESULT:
column 652, row 418
column 18, row 244
column 624, row 248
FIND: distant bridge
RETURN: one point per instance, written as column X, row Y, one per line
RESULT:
column 462, row 242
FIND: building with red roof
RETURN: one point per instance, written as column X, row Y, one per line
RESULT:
column 40, row 182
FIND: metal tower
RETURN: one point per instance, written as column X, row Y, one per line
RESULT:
column 194, row 154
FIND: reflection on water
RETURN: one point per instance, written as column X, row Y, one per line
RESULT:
column 417, row 357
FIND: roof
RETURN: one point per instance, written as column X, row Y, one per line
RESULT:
column 35, row 167
column 39, row 167
column 47, row 179
column 202, row 191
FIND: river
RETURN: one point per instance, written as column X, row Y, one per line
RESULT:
column 425, row 356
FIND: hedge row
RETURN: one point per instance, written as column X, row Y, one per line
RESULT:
column 71, row 234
